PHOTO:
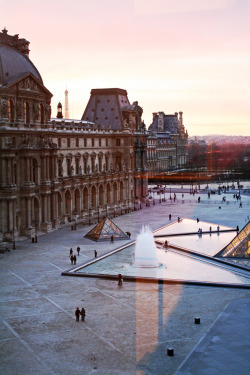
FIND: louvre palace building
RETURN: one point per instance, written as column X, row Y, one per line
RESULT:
column 167, row 143
column 56, row 170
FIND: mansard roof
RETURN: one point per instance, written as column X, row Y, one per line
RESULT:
column 105, row 107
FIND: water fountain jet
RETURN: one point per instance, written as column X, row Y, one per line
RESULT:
column 145, row 249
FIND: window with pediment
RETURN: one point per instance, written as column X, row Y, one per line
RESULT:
column 10, row 111
column 26, row 113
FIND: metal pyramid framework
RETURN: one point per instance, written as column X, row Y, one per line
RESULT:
column 239, row 247
column 104, row 230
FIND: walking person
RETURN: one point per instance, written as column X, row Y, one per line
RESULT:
column 112, row 239
column 77, row 314
column 74, row 259
column 70, row 252
column 169, row 216
column 83, row 314
column 120, row 280
column 78, row 250
column 95, row 252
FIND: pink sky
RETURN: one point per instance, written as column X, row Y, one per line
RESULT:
column 182, row 55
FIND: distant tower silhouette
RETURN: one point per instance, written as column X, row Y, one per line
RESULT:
column 66, row 104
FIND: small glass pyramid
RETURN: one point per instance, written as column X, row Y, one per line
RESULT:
column 104, row 230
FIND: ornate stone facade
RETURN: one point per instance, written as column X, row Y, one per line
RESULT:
column 54, row 170
column 166, row 143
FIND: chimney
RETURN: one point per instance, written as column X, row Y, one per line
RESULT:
column 59, row 110
column 154, row 115
column 180, row 118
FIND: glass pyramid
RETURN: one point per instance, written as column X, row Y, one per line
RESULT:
column 239, row 247
column 104, row 230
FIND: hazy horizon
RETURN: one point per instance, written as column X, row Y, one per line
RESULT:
column 188, row 56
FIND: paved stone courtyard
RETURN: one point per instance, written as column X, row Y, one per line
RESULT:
column 127, row 329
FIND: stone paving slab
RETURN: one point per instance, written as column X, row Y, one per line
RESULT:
column 225, row 348
column 127, row 329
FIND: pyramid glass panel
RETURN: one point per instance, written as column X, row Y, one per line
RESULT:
column 239, row 247
column 104, row 230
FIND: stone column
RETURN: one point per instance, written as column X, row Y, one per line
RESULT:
column 28, row 205
column 3, row 171
column 45, row 208
column 4, row 215
column 49, row 207
column 23, row 213
column 97, row 195
column 28, row 169
column 10, row 215
column 8, row 172
column 52, row 168
column 55, row 215
column 14, row 213
column 47, row 169
column 42, row 169
column 31, row 171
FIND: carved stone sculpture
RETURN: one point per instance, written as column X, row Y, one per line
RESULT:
column 4, row 108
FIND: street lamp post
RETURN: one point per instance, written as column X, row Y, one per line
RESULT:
column 114, row 210
column 170, row 194
column 106, row 210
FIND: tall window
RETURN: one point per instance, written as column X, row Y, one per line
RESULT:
column 59, row 142
column 107, row 142
column 93, row 142
column 26, row 113
column 77, row 142
column 85, row 165
column 68, row 142
column 10, row 111
column 77, row 165
column 93, row 164
column 15, row 173
column 100, row 163
column 85, row 142
column 100, row 142
column 118, row 142
column 60, row 170
column 69, row 167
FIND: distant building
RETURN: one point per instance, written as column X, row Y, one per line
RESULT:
column 54, row 170
column 167, row 143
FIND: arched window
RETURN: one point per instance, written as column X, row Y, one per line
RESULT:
column 41, row 114
column 10, row 111
column 26, row 113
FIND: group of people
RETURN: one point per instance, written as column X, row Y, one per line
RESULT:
column 80, row 313
column 72, row 256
